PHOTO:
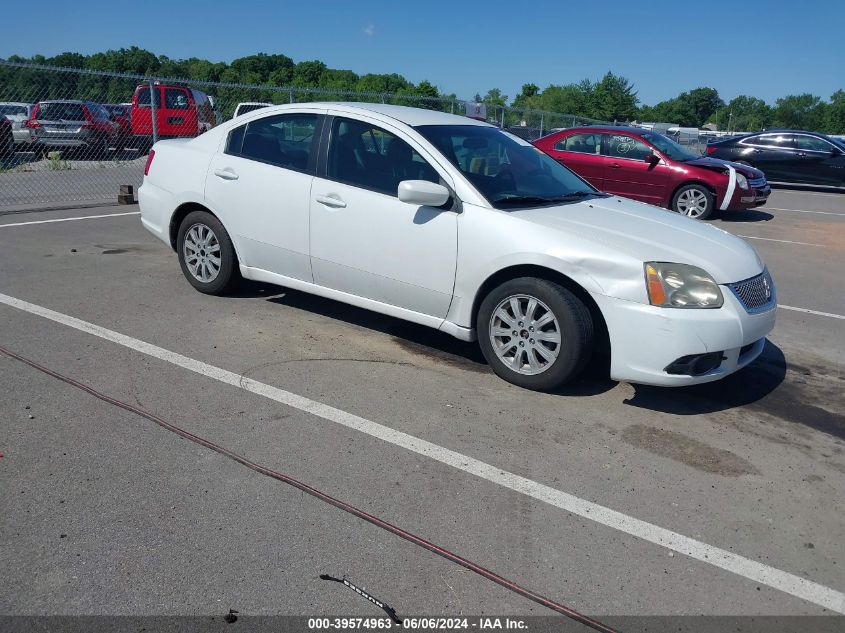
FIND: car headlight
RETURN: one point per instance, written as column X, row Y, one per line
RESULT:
column 681, row 286
column 742, row 181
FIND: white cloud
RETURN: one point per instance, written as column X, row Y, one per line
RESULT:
column 369, row 30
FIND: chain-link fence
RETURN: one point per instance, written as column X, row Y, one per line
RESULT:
column 80, row 134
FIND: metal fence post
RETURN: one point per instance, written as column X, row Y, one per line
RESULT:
column 541, row 123
column 503, row 117
column 291, row 96
column 154, row 111
column 453, row 107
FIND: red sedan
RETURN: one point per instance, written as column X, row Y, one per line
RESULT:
column 646, row 166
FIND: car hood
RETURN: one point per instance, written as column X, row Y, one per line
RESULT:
column 716, row 164
column 649, row 233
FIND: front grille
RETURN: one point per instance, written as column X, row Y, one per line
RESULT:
column 758, row 183
column 755, row 294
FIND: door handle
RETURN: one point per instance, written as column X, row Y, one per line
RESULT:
column 615, row 165
column 226, row 174
column 331, row 201
column 802, row 154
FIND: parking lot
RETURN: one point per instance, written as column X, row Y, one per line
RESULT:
column 614, row 499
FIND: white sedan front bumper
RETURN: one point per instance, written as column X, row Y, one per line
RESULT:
column 645, row 340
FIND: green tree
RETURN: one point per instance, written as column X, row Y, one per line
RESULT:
column 835, row 114
column 613, row 98
column 744, row 114
column 801, row 112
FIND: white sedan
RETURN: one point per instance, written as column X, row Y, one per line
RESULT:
column 451, row 223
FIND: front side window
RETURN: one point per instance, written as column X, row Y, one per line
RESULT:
column 812, row 144
column 624, row 146
column 669, row 147
column 285, row 140
column 508, row 172
column 581, row 143
column 367, row 156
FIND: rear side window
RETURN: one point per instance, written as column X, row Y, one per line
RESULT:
column 372, row 158
column 144, row 97
column 61, row 112
column 176, row 99
column 582, row 143
column 249, row 107
column 623, row 146
column 285, row 140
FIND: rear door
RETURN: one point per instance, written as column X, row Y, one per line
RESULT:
column 627, row 173
column 178, row 113
column 260, row 183
column 581, row 152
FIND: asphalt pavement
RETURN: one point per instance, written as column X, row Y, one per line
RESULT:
column 617, row 500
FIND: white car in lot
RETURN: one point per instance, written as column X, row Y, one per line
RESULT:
column 451, row 223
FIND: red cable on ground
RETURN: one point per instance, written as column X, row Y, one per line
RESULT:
column 408, row 536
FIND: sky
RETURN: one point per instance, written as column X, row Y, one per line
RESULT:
column 764, row 48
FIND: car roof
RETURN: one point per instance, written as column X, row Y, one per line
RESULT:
column 408, row 115
column 609, row 128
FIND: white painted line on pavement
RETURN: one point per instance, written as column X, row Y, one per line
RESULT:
column 797, row 192
column 724, row 559
column 84, row 217
column 816, row 312
column 769, row 239
column 805, row 211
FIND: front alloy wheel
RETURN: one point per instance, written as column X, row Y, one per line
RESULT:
column 694, row 201
column 535, row 333
column 525, row 334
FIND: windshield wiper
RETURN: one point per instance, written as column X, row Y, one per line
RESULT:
column 568, row 197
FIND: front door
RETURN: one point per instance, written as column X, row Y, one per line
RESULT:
column 627, row 173
column 262, row 182
column 364, row 240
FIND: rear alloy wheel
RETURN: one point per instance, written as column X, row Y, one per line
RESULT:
column 206, row 254
column 535, row 333
column 694, row 201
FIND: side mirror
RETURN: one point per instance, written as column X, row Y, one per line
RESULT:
column 652, row 158
column 423, row 192
column 836, row 152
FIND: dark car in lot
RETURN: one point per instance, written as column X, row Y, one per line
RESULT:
column 791, row 156
column 644, row 165
column 81, row 126
column 122, row 115
column 7, row 141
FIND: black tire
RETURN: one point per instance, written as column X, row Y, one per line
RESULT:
column 228, row 274
column 574, row 326
column 695, row 190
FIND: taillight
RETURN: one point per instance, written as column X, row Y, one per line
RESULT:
column 711, row 149
column 90, row 123
column 149, row 162
column 32, row 121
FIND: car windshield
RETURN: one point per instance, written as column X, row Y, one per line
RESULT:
column 669, row 147
column 507, row 171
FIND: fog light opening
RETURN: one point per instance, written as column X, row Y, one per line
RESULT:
column 695, row 364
